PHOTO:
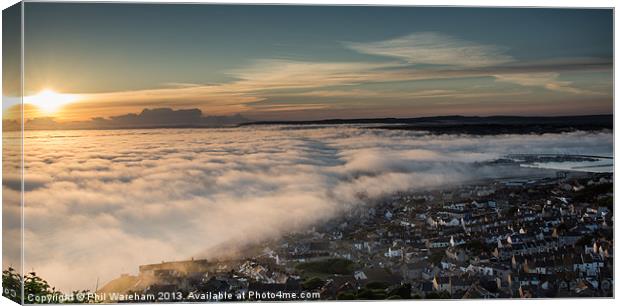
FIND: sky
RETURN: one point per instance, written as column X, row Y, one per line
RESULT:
column 314, row 62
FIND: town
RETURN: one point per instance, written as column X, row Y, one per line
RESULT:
column 503, row 238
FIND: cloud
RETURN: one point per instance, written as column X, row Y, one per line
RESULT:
column 255, row 87
column 436, row 49
column 251, row 85
column 274, row 74
column 548, row 80
column 357, row 94
column 147, row 118
column 103, row 202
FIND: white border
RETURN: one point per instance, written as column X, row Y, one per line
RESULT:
column 475, row 3
column 478, row 3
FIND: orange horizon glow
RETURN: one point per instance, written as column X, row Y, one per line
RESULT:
column 49, row 102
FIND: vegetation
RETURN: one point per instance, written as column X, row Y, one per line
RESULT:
column 592, row 191
column 436, row 257
column 584, row 240
column 511, row 211
column 607, row 202
column 327, row 266
column 562, row 228
column 377, row 291
column 313, row 283
column 11, row 283
column 370, row 294
column 34, row 286
column 377, row 285
column 401, row 292
column 477, row 246
column 346, row 296
column 440, row 295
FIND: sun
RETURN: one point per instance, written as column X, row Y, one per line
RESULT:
column 49, row 101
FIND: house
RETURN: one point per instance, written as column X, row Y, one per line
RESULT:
column 526, row 292
column 459, row 284
column 377, row 275
column 482, row 270
column 441, row 283
column 456, row 242
column 424, row 288
column 476, row 291
column 360, row 275
column 500, row 270
column 588, row 265
column 182, row 267
column 393, row 253
column 414, row 270
column 457, row 254
column 450, row 284
column 449, row 222
column 438, row 243
column 338, row 284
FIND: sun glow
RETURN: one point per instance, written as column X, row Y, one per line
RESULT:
column 49, row 101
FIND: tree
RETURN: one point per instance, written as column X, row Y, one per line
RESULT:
column 403, row 291
column 313, row 283
column 476, row 246
column 436, row 257
column 445, row 295
column 440, row 295
column 377, row 285
column 584, row 240
column 368, row 294
column 34, row 286
column 11, row 281
column 328, row 266
column 346, row 296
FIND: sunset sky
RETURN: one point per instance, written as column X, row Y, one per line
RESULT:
column 310, row 62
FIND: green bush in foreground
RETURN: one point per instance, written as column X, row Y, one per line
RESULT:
column 34, row 286
column 11, row 284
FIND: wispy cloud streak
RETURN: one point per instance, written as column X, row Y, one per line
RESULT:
column 548, row 80
column 436, row 49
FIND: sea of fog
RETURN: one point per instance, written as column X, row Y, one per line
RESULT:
column 101, row 203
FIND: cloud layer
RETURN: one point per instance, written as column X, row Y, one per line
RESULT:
column 100, row 203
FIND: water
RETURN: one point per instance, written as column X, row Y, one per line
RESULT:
column 603, row 165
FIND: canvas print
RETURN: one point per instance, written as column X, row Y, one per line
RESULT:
column 212, row 153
